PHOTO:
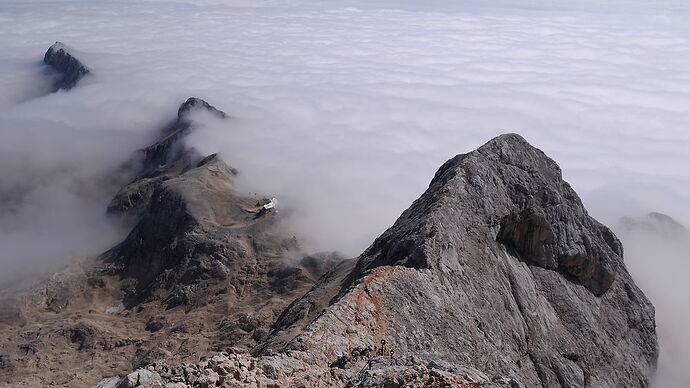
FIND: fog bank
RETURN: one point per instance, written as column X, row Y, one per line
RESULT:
column 345, row 110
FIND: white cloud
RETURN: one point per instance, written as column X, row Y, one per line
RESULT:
column 661, row 264
column 345, row 110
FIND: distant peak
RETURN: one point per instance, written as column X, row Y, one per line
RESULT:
column 508, row 138
column 58, row 46
column 194, row 104
column 64, row 62
column 658, row 223
column 665, row 218
column 508, row 142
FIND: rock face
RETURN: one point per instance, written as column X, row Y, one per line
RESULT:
column 496, row 267
column 69, row 69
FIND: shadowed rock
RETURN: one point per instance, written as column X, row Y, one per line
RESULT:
column 167, row 155
column 69, row 69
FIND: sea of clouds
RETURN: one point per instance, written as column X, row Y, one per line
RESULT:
column 344, row 110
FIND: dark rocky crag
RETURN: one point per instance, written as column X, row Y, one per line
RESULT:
column 495, row 277
column 193, row 231
column 69, row 69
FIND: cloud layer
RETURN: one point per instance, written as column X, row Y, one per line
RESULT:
column 342, row 111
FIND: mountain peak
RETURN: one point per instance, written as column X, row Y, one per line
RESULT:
column 658, row 224
column 194, row 104
column 69, row 69
column 509, row 192
column 495, row 277
column 167, row 151
column 497, row 267
column 166, row 158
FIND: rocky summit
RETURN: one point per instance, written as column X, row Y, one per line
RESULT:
column 496, row 268
column 495, row 277
column 69, row 70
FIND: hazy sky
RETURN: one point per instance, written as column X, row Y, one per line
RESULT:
column 342, row 110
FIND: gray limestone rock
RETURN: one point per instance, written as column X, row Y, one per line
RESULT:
column 108, row 382
column 496, row 267
column 165, row 159
column 141, row 378
column 241, row 370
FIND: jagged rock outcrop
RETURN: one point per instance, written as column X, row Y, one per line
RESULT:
column 497, row 267
column 193, row 230
column 204, row 268
column 69, row 69
column 164, row 159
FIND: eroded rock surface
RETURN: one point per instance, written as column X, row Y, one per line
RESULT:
column 69, row 69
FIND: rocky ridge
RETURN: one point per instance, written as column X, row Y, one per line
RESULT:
column 203, row 269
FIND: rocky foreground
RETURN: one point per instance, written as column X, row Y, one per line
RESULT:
column 495, row 277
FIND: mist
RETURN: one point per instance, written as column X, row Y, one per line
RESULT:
column 661, row 260
column 344, row 112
